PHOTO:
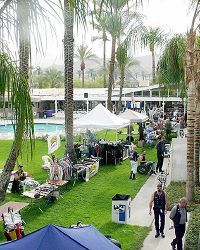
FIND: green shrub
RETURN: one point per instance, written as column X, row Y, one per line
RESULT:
column 192, row 234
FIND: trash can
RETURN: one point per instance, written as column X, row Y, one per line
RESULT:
column 121, row 209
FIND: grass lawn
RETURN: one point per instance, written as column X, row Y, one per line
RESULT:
column 88, row 202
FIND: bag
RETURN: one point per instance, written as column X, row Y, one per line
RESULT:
column 13, row 235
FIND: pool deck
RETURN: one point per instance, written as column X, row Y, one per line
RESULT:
column 50, row 120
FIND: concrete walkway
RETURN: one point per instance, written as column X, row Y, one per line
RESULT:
column 140, row 215
column 140, row 204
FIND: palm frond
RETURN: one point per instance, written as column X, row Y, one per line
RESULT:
column 170, row 69
column 14, row 88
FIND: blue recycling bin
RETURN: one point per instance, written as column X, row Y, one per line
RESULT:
column 121, row 208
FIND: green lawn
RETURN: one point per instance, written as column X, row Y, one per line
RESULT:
column 88, row 202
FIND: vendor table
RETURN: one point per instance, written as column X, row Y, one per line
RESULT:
column 86, row 170
column 62, row 185
column 43, row 191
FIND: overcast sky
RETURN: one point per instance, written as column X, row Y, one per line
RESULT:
column 171, row 15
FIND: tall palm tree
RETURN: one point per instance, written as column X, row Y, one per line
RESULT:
column 83, row 53
column 152, row 38
column 20, row 15
column 68, row 73
column 100, row 26
column 121, row 23
column 124, row 62
column 15, row 87
column 24, row 52
column 180, row 65
column 193, row 78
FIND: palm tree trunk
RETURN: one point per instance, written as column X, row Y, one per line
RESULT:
column 190, row 141
column 104, row 62
column 153, row 66
column 111, row 73
column 122, row 77
column 197, row 117
column 68, row 62
column 197, row 142
column 23, row 14
column 7, row 170
column 190, row 79
column 83, row 78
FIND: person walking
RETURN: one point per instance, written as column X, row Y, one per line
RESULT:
column 160, row 148
column 133, row 155
column 179, row 216
column 159, row 202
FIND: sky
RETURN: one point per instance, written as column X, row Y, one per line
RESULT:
column 173, row 16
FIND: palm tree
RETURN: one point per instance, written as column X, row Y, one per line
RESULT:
column 152, row 38
column 193, row 78
column 21, row 16
column 68, row 80
column 122, row 24
column 170, row 69
column 83, row 53
column 53, row 77
column 179, row 64
column 100, row 26
column 23, row 74
column 15, row 86
column 124, row 62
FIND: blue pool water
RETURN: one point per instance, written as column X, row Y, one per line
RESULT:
column 47, row 128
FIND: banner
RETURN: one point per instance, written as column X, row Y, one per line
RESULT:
column 53, row 143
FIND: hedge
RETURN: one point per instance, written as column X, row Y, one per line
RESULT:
column 175, row 191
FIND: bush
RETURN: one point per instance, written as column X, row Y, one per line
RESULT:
column 175, row 191
column 192, row 234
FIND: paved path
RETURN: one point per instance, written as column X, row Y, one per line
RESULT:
column 140, row 215
column 140, row 204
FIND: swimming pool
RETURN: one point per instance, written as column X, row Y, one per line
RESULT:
column 42, row 127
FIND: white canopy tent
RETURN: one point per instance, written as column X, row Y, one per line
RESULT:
column 101, row 118
column 133, row 116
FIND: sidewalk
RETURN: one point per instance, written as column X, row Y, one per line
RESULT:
column 140, row 215
column 140, row 204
